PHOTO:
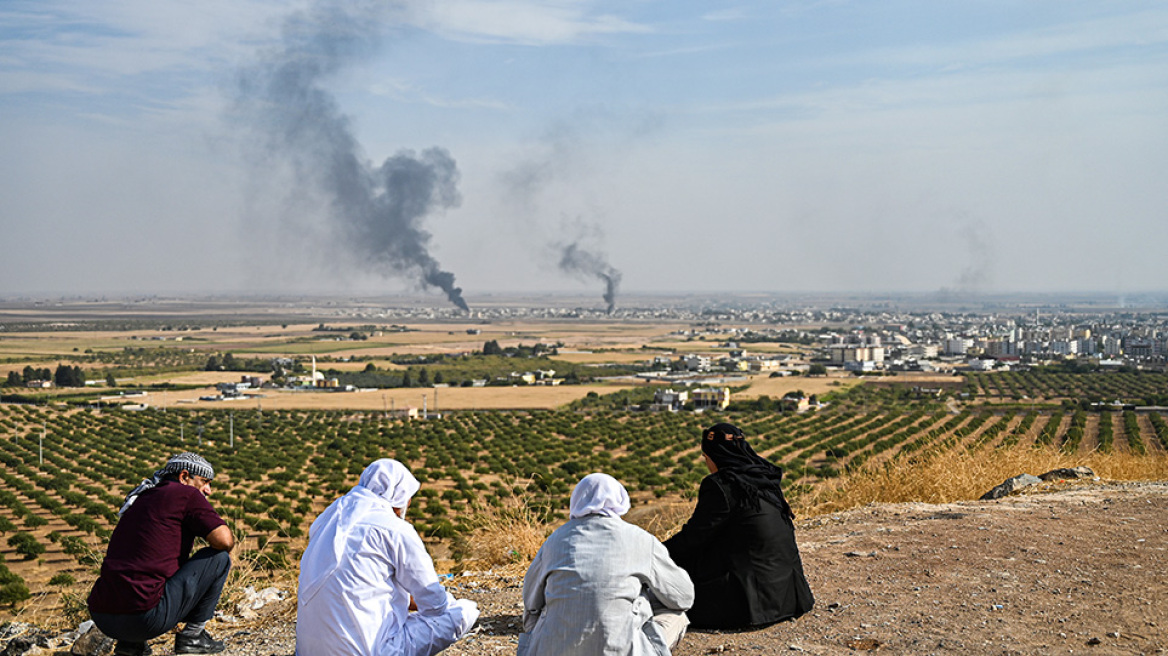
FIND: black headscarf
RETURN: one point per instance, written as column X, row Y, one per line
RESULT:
column 751, row 475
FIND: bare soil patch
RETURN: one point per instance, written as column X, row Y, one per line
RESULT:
column 764, row 385
column 444, row 398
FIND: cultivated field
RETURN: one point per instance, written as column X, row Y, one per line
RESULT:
column 70, row 454
column 279, row 468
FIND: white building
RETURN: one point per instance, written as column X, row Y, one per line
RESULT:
column 957, row 345
column 764, row 364
column 999, row 347
column 921, row 351
column 696, row 362
column 670, row 399
column 1112, row 346
column 841, row 353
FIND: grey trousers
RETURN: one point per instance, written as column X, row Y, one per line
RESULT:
column 189, row 596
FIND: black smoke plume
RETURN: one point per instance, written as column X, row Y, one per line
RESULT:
column 377, row 212
column 580, row 262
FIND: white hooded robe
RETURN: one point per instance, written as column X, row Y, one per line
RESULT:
column 362, row 564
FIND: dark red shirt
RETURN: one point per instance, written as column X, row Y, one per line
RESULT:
column 151, row 541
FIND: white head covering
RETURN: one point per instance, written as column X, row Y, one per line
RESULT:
column 598, row 494
column 390, row 480
column 385, row 484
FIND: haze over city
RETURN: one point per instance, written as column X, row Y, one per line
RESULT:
column 468, row 148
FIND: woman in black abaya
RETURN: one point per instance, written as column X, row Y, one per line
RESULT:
column 739, row 545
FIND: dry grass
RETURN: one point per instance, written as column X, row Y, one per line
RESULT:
column 247, row 571
column 662, row 519
column 510, row 533
column 957, row 474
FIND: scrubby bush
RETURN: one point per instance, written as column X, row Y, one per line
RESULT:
column 62, row 579
column 26, row 545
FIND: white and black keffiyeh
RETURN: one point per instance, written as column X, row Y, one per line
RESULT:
column 193, row 463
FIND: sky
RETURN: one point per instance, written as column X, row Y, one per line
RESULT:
column 465, row 148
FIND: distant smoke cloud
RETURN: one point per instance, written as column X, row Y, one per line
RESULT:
column 978, row 272
column 377, row 211
column 577, row 261
column 557, row 156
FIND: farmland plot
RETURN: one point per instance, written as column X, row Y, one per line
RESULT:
column 65, row 471
column 1128, row 387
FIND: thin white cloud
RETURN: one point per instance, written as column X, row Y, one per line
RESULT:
column 14, row 80
column 118, row 38
column 1086, row 64
column 1137, row 29
column 521, row 21
column 404, row 91
column 730, row 14
column 686, row 50
column 1128, row 85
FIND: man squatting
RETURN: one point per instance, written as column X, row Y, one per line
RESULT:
column 149, row 580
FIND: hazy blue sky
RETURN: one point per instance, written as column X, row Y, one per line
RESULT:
column 788, row 146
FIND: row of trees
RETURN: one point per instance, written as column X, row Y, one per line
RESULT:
column 64, row 376
column 491, row 347
column 228, row 362
column 1147, row 388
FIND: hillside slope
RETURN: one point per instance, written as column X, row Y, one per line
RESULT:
column 1074, row 568
column 1077, row 568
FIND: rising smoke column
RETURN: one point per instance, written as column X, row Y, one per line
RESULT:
column 580, row 262
column 552, row 162
column 377, row 211
column 976, row 275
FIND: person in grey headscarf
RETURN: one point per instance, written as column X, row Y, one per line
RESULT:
column 365, row 568
column 600, row 585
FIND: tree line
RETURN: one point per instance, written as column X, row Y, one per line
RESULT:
column 64, row 376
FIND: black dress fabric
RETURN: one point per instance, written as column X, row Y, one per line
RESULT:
column 744, row 562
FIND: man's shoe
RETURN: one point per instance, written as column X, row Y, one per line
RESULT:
column 125, row 648
column 200, row 644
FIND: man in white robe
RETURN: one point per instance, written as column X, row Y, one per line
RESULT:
column 600, row 585
column 363, row 564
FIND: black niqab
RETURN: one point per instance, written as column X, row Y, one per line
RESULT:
column 750, row 474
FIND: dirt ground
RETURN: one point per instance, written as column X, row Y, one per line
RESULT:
column 445, row 398
column 1077, row 569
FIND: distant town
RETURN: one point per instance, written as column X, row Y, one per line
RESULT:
column 880, row 338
